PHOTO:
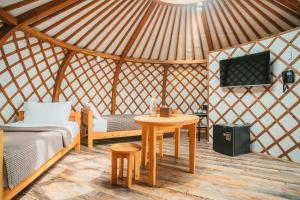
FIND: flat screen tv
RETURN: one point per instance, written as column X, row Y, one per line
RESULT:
column 249, row 70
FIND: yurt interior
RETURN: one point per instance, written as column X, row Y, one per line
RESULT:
column 149, row 99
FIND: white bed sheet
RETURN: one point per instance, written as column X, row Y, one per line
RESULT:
column 99, row 125
column 71, row 125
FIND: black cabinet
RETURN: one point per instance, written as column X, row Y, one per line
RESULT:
column 231, row 139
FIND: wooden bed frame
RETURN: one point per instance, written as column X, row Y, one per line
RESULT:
column 6, row 193
column 87, row 128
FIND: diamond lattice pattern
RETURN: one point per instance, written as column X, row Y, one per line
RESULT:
column 186, row 87
column 138, row 83
column 89, row 79
column 28, row 69
column 274, row 115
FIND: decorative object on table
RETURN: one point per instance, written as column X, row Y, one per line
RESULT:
column 204, row 108
column 153, row 106
column 231, row 139
column 165, row 111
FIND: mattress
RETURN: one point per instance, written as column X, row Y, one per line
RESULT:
column 114, row 123
column 26, row 149
column 72, row 126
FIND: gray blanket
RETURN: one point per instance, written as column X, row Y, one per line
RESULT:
column 27, row 149
column 121, row 123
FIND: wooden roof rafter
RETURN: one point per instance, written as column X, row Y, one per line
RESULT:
column 7, row 18
column 150, row 19
column 172, row 33
column 219, row 6
column 18, row 4
column 158, row 32
column 207, row 10
column 82, row 27
column 241, row 15
column 165, row 32
column 288, row 10
column 152, row 29
column 196, row 16
column 62, row 20
column 32, row 16
column 253, row 16
column 216, row 13
column 128, row 30
column 269, row 19
column 123, row 13
column 228, row 10
column 275, row 13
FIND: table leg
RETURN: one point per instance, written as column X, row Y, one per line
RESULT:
column 177, row 142
column 152, row 156
column 144, row 145
column 114, row 164
column 192, row 152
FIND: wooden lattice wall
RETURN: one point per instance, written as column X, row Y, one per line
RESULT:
column 186, row 87
column 35, row 70
column 138, row 83
column 273, row 114
column 89, row 79
column 28, row 70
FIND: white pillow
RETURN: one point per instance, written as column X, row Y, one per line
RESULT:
column 96, row 114
column 47, row 113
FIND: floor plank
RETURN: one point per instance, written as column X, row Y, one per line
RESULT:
column 86, row 175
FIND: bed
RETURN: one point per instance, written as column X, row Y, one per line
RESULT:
column 113, row 126
column 107, row 126
column 27, row 150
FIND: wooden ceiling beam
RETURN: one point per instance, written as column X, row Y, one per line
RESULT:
column 207, row 9
column 7, row 18
column 145, row 30
column 42, row 11
column 216, row 12
column 82, row 27
column 178, row 34
column 165, row 32
column 284, row 8
column 241, row 15
column 274, row 12
column 228, row 10
column 196, row 16
column 172, row 33
column 160, row 8
column 150, row 9
column 108, row 24
column 18, row 4
column 241, row 4
column 158, row 32
column 218, row 5
column 267, row 17
column 32, row 16
column 61, row 74
column 193, row 50
column 139, row 11
column 62, row 20
column 206, row 28
column 291, row 4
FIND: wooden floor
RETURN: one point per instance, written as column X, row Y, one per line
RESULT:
column 86, row 175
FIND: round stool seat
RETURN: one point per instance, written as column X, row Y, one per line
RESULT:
column 125, row 147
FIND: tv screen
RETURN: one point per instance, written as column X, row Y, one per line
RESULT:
column 246, row 70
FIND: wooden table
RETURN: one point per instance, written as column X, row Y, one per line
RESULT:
column 151, row 124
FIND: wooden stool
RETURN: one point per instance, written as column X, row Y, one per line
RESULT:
column 130, row 151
